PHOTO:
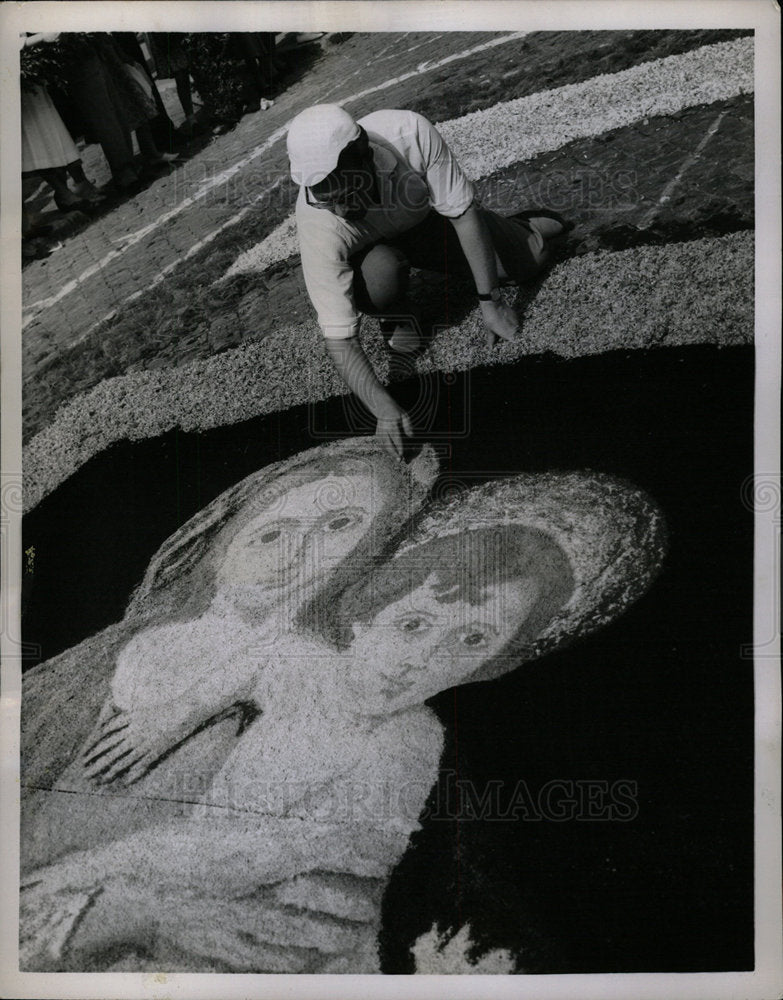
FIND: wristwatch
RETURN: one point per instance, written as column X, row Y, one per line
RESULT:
column 493, row 296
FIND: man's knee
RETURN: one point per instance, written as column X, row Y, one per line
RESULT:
column 383, row 279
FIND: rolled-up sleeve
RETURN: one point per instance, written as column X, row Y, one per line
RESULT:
column 451, row 192
column 329, row 280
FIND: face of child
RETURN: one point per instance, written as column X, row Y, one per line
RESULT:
column 419, row 646
column 310, row 529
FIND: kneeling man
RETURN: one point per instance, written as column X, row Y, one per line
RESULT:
column 378, row 196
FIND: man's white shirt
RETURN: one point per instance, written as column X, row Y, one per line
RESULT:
column 416, row 172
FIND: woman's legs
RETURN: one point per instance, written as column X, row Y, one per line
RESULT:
column 94, row 103
column 55, row 177
column 85, row 188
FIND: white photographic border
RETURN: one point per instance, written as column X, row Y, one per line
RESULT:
column 501, row 15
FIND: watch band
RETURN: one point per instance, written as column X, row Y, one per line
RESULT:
column 492, row 296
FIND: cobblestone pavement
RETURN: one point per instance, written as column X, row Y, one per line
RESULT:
column 335, row 77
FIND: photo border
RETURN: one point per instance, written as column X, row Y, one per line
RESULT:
column 764, row 492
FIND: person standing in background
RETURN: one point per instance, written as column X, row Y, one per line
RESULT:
column 171, row 62
column 48, row 149
column 161, row 126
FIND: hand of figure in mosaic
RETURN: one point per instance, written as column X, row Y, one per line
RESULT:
column 126, row 744
column 288, row 534
column 292, row 845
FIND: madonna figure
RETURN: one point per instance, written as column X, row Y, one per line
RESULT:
column 279, row 865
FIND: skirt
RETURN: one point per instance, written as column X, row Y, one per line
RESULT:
column 46, row 141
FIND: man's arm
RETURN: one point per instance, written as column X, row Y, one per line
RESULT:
column 357, row 373
column 452, row 195
column 476, row 242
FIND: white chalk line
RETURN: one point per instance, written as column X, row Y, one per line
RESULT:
column 381, row 57
column 36, row 308
column 497, row 119
column 166, row 271
column 687, row 163
column 428, row 65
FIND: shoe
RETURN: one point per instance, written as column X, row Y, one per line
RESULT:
column 545, row 213
column 89, row 193
column 73, row 204
column 164, row 158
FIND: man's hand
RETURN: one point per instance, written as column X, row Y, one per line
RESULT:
column 500, row 320
column 352, row 364
column 476, row 242
column 393, row 422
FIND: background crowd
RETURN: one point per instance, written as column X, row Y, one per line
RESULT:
column 101, row 88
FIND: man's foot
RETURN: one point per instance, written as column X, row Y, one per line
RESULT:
column 549, row 224
column 402, row 330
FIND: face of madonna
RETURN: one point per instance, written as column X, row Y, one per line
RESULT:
column 310, row 528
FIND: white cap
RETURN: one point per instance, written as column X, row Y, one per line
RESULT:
column 316, row 138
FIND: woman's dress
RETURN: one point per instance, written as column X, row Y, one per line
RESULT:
column 46, row 142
